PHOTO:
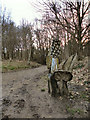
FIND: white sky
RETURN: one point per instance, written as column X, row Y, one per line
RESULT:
column 20, row 9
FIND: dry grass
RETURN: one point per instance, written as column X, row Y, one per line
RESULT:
column 17, row 65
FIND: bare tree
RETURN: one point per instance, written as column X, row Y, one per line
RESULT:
column 26, row 36
column 42, row 40
column 72, row 16
column 31, row 41
column 8, row 37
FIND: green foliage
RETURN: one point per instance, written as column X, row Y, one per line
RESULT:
column 79, row 66
column 8, row 67
column 84, row 96
column 43, row 90
column 12, row 67
column 17, row 65
column 72, row 111
column 86, row 82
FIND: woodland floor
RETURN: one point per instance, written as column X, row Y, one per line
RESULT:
column 25, row 94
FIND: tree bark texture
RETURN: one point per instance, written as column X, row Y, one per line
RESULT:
column 58, row 81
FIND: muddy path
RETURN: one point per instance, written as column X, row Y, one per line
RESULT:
column 25, row 95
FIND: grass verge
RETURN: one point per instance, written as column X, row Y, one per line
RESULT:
column 17, row 65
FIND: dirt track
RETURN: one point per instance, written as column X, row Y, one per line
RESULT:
column 25, row 95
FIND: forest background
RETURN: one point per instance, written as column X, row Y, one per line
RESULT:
column 66, row 21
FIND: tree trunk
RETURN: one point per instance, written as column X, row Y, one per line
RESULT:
column 59, row 81
column 21, row 55
column 54, row 86
column 29, row 57
column 18, row 53
column 10, row 57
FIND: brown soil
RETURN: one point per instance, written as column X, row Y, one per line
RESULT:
column 25, row 95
